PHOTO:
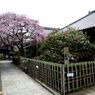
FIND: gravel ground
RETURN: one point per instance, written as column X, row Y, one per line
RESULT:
column 85, row 91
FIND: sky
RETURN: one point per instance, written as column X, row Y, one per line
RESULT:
column 49, row 13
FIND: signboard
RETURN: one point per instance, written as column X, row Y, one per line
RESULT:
column 66, row 55
column 70, row 74
column 66, row 50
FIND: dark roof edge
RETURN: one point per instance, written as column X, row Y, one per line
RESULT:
column 90, row 13
column 50, row 28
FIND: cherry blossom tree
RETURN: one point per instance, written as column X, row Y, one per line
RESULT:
column 17, row 29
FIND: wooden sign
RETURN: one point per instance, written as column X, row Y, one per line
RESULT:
column 66, row 50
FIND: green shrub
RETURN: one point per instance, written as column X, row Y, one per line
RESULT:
column 1, row 56
column 78, row 43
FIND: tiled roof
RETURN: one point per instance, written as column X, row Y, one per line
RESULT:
column 84, row 22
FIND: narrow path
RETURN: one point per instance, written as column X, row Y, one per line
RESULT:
column 16, row 82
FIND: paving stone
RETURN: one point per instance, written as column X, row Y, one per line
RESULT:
column 16, row 82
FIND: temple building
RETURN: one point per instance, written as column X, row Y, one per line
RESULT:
column 86, row 24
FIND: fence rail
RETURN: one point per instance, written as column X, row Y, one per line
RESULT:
column 46, row 72
column 61, row 78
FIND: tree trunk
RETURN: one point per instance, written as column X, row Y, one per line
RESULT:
column 22, row 49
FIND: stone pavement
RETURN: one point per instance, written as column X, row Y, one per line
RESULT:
column 0, row 84
column 16, row 82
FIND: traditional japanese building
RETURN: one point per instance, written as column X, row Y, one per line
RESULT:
column 86, row 24
column 48, row 30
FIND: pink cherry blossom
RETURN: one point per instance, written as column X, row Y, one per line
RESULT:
column 13, row 24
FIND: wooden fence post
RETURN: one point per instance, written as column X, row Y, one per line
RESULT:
column 66, row 55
